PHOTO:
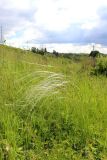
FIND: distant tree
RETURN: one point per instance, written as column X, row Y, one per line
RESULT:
column 94, row 54
column 55, row 53
column 41, row 51
column 45, row 49
column 34, row 49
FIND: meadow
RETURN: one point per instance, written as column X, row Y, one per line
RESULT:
column 51, row 108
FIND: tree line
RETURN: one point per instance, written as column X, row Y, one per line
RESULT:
column 43, row 51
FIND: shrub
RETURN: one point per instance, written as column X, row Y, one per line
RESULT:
column 101, row 67
column 94, row 54
column 55, row 53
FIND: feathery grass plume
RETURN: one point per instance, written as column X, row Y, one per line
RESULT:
column 36, row 87
column 47, row 87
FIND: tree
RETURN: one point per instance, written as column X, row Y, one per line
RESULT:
column 41, row 51
column 55, row 53
column 94, row 54
column 45, row 50
column 34, row 49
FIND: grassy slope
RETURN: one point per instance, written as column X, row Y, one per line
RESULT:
column 50, row 108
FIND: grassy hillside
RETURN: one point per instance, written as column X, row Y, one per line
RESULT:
column 51, row 108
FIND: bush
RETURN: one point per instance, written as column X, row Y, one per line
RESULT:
column 94, row 54
column 101, row 67
column 55, row 53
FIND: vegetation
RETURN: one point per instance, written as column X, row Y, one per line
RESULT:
column 55, row 53
column 94, row 54
column 51, row 108
column 41, row 51
column 101, row 67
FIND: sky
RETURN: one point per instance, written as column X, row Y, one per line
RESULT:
column 64, row 25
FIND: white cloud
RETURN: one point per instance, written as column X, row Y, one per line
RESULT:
column 61, row 14
column 31, row 33
column 89, row 25
column 74, row 48
column 18, row 4
column 51, row 20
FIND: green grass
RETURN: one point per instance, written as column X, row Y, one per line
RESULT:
column 51, row 108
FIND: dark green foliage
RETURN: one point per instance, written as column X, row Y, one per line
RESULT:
column 41, row 51
column 55, row 53
column 75, row 57
column 101, row 67
column 94, row 54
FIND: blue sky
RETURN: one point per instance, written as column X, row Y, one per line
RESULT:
column 64, row 25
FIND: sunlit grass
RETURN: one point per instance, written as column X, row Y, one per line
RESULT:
column 51, row 108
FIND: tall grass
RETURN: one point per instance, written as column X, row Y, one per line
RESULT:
column 51, row 108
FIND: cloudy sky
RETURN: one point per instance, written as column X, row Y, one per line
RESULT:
column 64, row 25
